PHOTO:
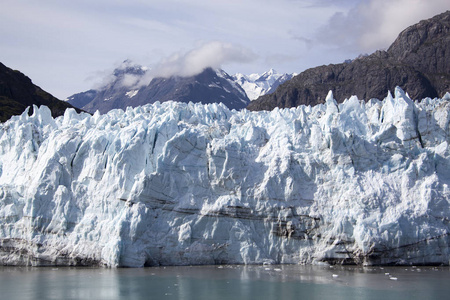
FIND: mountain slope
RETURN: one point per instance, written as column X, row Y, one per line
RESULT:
column 418, row 61
column 82, row 99
column 210, row 86
column 426, row 47
column 17, row 92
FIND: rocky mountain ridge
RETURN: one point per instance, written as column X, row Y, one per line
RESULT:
column 17, row 92
column 418, row 61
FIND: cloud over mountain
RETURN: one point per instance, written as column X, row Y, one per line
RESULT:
column 193, row 62
column 374, row 24
column 212, row 54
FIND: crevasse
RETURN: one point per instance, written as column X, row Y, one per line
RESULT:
column 177, row 184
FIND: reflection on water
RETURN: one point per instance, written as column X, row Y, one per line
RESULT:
column 226, row 282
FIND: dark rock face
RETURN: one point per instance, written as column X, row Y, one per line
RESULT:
column 210, row 86
column 426, row 47
column 17, row 92
column 418, row 61
column 279, row 82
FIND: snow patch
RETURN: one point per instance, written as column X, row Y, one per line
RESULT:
column 132, row 93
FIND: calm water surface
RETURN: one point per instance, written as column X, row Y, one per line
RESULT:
column 226, row 282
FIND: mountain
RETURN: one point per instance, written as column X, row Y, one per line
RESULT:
column 17, row 92
column 82, row 99
column 185, row 184
column 126, row 89
column 256, row 85
column 418, row 61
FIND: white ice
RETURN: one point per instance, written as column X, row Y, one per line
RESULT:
column 172, row 183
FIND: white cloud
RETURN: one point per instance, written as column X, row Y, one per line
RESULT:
column 184, row 64
column 212, row 54
column 129, row 80
column 374, row 24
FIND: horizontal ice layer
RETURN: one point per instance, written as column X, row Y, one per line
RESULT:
column 181, row 184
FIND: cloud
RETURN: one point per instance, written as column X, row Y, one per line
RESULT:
column 183, row 64
column 302, row 39
column 129, row 80
column 374, row 24
column 274, row 59
column 125, row 74
column 212, row 54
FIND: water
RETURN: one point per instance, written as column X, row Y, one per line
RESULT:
column 226, row 282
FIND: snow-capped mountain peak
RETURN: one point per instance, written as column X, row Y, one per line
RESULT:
column 256, row 85
column 269, row 75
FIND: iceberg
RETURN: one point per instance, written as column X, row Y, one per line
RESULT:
column 183, row 184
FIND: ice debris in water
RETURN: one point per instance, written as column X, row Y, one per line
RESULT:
column 173, row 183
column 393, row 278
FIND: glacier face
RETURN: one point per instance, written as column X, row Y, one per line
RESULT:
column 178, row 184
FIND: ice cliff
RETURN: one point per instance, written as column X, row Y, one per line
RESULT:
column 176, row 183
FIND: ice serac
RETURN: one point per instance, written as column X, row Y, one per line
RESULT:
column 177, row 184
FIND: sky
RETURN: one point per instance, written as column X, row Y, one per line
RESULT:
column 70, row 46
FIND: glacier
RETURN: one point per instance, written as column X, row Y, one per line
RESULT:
column 183, row 184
